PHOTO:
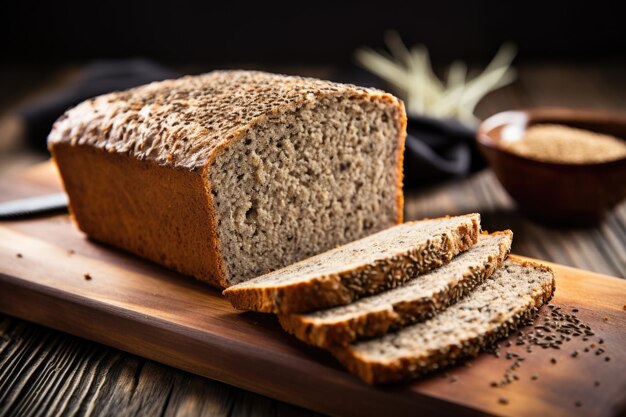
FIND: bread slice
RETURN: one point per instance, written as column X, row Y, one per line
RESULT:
column 368, row 266
column 492, row 311
column 227, row 175
column 417, row 300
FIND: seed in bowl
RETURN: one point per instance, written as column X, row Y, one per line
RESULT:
column 566, row 145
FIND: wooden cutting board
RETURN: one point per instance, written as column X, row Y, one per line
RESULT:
column 142, row 308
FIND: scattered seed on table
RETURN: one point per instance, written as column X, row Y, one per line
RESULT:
column 607, row 359
column 19, row 255
column 87, row 277
column 574, row 354
column 552, row 360
column 503, row 400
column 534, row 377
column 575, row 310
column 597, row 383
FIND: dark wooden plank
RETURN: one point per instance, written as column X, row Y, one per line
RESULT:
column 47, row 373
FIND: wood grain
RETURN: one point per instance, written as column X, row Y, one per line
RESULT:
column 152, row 312
column 72, row 376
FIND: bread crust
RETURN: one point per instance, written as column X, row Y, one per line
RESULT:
column 163, row 222
column 411, row 367
column 178, row 128
column 376, row 323
column 400, row 158
column 331, row 290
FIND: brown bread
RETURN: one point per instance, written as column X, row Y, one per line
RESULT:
column 227, row 175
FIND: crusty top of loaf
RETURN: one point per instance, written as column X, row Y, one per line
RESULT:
column 182, row 122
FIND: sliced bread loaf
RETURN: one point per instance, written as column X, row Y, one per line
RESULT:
column 417, row 300
column 368, row 266
column 494, row 309
column 227, row 175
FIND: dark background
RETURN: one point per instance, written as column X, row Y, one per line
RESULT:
column 325, row 33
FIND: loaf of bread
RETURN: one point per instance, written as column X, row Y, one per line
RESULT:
column 364, row 267
column 418, row 299
column 228, row 175
column 495, row 308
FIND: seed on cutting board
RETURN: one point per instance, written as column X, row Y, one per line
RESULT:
column 19, row 255
column 494, row 384
column 574, row 354
column 575, row 310
column 87, row 277
column 597, row 383
column 503, row 400
column 607, row 359
column 552, row 360
column 601, row 341
column 534, row 377
column 578, row 404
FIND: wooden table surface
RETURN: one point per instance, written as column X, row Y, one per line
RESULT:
column 45, row 372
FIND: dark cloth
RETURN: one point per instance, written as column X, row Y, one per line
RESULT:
column 436, row 149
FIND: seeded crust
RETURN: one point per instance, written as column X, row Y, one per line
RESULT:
column 376, row 315
column 176, row 129
column 294, row 294
column 388, row 359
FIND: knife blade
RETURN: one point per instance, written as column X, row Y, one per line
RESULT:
column 26, row 207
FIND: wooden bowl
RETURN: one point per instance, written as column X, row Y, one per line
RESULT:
column 555, row 193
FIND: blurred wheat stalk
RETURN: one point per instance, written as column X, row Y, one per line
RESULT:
column 411, row 74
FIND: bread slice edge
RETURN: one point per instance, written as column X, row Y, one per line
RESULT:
column 342, row 288
column 375, row 373
column 376, row 323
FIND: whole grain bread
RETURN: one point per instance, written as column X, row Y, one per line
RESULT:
column 227, row 175
column 416, row 300
column 495, row 308
column 365, row 267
